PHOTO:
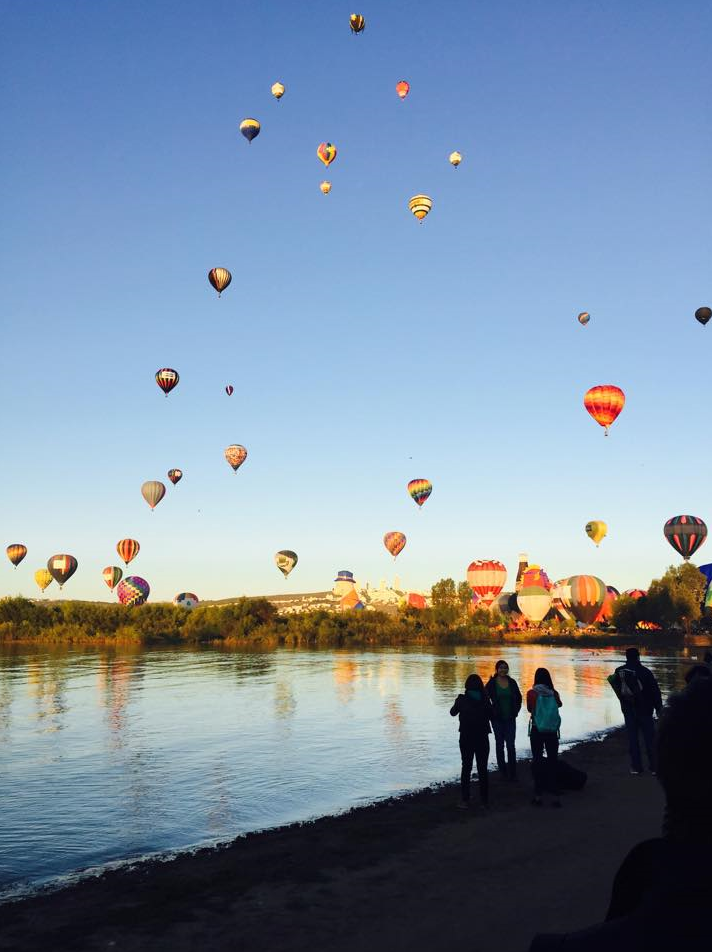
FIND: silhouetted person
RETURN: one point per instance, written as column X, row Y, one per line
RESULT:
column 698, row 671
column 475, row 712
column 543, row 703
column 639, row 695
column 506, row 699
column 660, row 897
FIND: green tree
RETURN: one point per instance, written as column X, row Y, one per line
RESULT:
column 444, row 594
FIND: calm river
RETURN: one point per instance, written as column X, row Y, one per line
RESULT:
column 111, row 755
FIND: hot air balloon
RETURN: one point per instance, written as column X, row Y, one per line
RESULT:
column 43, row 579
column 455, row 159
column 134, row 590
column 128, row 549
column 325, row 187
column 416, row 600
column 229, row 390
column 250, row 128
column 486, row 578
column 402, row 88
column 587, row 593
column 62, row 567
column 16, row 553
column 685, row 534
column 420, row 490
column 535, row 575
column 220, row 278
column 167, row 379
column 236, row 455
column 606, row 612
column 394, row 542
column 420, row 205
column 635, row 593
column 153, row 491
column 285, row 560
column 596, row 531
column 277, row 90
column 175, row 475
column 327, row 153
column 703, row 314
column 186, row 600
column 357, row 23
column 583, row 318
column 533, row 602
column 112, row 575
column 604, row 403
column 561, row 599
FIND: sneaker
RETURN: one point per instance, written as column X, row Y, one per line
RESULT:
column 636, row 773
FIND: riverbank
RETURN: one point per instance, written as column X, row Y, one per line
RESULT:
column 407, row 874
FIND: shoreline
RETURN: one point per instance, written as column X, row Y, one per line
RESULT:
column 296, row 885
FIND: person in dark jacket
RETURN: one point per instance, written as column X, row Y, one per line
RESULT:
column 475, row 712
column 544, row 738
column 661, row 891
column 639, row 695
column 506, row 700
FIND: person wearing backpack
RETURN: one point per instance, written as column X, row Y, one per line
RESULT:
column 543, row 703
column 639, row 696
column 475, row 712
column 506, row 698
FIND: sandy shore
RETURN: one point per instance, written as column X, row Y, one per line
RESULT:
column 410, row 874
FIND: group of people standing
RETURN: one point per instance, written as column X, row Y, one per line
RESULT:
column 495, row 706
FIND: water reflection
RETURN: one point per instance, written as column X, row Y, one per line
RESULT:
column 195, row 746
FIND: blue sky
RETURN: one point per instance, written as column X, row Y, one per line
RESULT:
column 364, row 349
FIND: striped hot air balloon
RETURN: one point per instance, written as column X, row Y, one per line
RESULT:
column 250, row 128
column 42, row 579
column 220, row 278
column 486, row 578
column 604, row 403
column 62, row 567
column 128, row 549
column 327, row 153
column 133, row 590
column 357, row 23
column 112, row 575
column 394, row 542
column 153, row 491
column 420, row 490
column 229, row 390
column 685, row 534
column 587, row 596
column 16, row 553
column 236, row 455
column 534, row 602
column 167, row 379
column 606, row 612
column 420, row 205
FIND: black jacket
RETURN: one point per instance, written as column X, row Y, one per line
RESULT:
column 475, row 716
column 649, row 699
column 491, row 688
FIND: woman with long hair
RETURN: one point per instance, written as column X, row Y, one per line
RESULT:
column 506, row 699
column 475, row 712
column 543, row 703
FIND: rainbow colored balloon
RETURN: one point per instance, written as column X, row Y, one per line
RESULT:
column 133, row 590
column 420, row 489
column 327, row 153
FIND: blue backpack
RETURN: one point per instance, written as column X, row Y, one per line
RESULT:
column 546, row 714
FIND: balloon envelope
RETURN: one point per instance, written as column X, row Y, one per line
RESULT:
column 229, row 390
column 455, row 158
column 604, row 403
column 153, row 491
column 596, row 530
column 420, row 205
column 16, row 553
column 402, row 88
column 285, row 561
column 486, row 578
column 236, row 455
column 175, row 475
column 327, row 153
column 394, row 542
column 685, row 534
column 167, row 379
column 133, row 590
column 278, row 90
column 112, row 575
column 325, row 187
column 219, row 278
column 584, row 317
column 43, row 579
column 186, row 600
column 587, row 595
column 128, row 549
column 357, row 23
column 533, row 602
column 62, row 567
column 703, row 314
column 420, row 490
column 250, row 128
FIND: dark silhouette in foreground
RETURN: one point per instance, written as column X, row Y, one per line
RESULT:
column 475, row 712
column 639, row 695
column 660, row 896
column 506, row 698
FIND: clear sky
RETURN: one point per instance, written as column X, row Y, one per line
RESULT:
column 364, row 349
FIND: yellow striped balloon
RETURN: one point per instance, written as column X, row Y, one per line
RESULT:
column 16, row 553
column 43, row 579
column 357, row 23
column 420, row 205
column 219, row 278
